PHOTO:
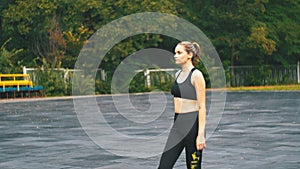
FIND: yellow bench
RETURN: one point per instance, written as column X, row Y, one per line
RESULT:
column 15, row 80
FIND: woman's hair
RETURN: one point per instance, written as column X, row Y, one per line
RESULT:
column 192, row 47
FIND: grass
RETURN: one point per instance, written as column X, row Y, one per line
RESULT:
column 265, row 88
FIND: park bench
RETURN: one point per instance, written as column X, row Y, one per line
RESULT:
column 15, row 85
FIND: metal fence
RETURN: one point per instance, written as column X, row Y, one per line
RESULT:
column 262, row 75
column 235, row 76
column 239, row 75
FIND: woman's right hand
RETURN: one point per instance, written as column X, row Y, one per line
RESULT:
column 200, row 143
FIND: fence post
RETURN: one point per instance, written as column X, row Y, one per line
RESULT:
column 103, row 75
column 24, row 70
column 147, row 74
column 298, row 71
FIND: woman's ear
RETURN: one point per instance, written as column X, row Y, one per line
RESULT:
column 190, row 55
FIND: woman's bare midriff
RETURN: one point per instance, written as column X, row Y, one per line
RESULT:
column 185, row 105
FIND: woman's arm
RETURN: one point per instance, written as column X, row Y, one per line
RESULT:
column 199, row 83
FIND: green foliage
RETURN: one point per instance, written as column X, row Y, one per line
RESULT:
column 251, row 32
column 258, row 39
column 82, row 84
column 58, row 29
column 159, row 81
column 51, row 79
column 244, row 32
column 7, row 61
column 256, row 77
column 137, row 84
column 102, row 87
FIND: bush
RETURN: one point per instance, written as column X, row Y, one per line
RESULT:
column 51, row 79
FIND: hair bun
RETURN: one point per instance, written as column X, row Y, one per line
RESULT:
column 197, row 49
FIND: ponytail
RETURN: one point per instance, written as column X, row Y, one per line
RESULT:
column 197, row 53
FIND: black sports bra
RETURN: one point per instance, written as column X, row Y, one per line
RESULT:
column 185, row 89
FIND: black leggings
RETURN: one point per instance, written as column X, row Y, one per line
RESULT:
column 182, row 135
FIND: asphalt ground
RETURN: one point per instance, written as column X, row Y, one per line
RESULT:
column 257, row 130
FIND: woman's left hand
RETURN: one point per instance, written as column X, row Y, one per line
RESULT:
column 200, row 143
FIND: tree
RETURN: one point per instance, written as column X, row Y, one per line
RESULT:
column 282, row 20
column 7, row 64
column 244, row 32
column 58, row 29
column 250, row 32
column 55, row 31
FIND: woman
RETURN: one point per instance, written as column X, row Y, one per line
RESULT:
column 188, row 130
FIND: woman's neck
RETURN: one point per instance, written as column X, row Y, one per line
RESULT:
column 187, row 67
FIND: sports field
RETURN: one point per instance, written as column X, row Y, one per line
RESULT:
column 258, row 129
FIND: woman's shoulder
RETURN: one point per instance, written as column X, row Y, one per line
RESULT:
column 197, row 75
column 197, row 72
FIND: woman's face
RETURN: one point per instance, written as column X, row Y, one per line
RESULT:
column 181, row 56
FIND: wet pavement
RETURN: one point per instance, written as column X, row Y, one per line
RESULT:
column 257, row 130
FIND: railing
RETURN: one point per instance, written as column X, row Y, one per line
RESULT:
column 263, row 75
column 235, row 76
column 150, row 80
